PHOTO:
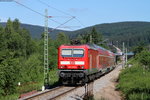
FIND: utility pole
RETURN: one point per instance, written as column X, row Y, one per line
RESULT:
column 123, row 55
column 126, row 57
column 46, row 67
column 90, row 38
column 123, row 48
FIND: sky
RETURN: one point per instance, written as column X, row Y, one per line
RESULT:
column 86, row 12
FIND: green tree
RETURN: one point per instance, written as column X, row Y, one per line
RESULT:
column 93, row 37
column 16, row 25
column 18, row 56
column 61, row 39
column 3, row 41
column 139, row 48
column 9, row 76
column 96, row 37
column 33, row 67
column 144, row 58
column 85, row 38
column 9, row 27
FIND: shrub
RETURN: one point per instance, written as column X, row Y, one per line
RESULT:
column 144, row 58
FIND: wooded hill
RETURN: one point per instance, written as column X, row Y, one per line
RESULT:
column 132, row 33
column 36, row 30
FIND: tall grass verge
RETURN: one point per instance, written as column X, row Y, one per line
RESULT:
column 134, row 82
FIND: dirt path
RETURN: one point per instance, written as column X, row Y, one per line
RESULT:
column 107, row 83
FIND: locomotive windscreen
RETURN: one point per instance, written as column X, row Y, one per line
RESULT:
column 72, row 53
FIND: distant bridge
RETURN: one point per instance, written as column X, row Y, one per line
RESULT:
column 128, row 54
column 122, row 56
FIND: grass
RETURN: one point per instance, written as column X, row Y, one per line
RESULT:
column 53, row 77
column 29, row 87
column 134, row 82
column 10, row 97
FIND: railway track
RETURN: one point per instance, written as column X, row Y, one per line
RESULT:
column 58, row 92
column 52, row 94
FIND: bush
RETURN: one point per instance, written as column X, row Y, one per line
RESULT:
column 144, row 58
column 53, row 74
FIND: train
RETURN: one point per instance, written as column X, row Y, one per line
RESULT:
column 79, row 64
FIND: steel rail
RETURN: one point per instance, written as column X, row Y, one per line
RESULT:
column 50, row 94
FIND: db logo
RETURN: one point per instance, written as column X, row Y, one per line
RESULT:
column 72, row 62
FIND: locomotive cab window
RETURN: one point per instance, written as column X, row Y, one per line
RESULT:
column 66, row 53
column 72, row 53
column 78, row 53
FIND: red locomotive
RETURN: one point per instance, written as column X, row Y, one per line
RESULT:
column 78, row 64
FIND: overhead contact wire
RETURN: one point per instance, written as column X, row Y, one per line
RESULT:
column 61, row 12
column 29, row 8
column 80, row 22
column 35, row 11
column 54, row 8
column 62, row 24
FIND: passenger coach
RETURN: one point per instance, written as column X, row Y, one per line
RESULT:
column 78, row 64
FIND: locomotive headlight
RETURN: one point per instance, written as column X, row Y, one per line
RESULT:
column 65, row 62
column 79, row 62
column 62, row 66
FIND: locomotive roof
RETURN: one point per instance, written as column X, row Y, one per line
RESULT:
column 91, row 46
